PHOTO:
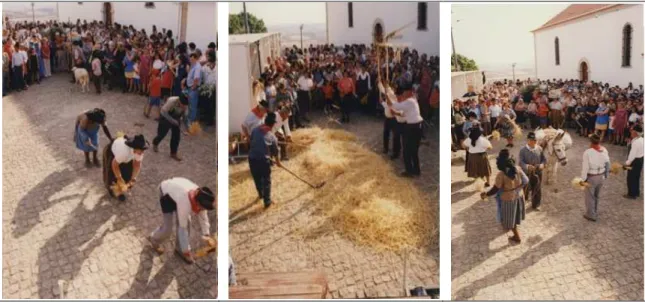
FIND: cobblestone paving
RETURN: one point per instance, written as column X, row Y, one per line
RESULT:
column 562, row 255
column 60, row 226
column 264, row 243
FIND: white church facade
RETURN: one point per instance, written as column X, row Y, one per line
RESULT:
column 189, row 21
column 594, row 42
column 358, row 22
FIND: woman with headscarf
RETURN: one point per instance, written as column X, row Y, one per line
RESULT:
column 506, row 124
column 86, row 133
column 508, row 190
column 477, row 145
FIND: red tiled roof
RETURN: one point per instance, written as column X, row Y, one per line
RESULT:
column 574, row 11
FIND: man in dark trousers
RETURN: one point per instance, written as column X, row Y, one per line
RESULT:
column 263, row 147
column 635, row 161
column 532, row 162
column 408, row 108
column 170, row 118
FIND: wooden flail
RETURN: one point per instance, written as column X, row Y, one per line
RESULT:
column 383, row 43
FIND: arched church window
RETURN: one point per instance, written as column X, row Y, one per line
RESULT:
column 557, row 51
column 422, row 16
column 627, row 45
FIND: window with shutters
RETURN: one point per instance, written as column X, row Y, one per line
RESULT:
column 422, row 16
column 627, row 45
column 350, row 12
column 557, row 51
column 150, row 5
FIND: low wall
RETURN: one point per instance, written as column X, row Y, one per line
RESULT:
column 463, row 79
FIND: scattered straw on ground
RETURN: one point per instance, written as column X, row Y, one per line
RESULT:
column 363, row 198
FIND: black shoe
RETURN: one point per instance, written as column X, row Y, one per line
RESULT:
column 155, row 148
column 406, row 174
column 394, row 156
column 486, row 185
column 121, row 198
column 630, row 197
column 97, row 163
column 286, row 158
column 588, row 218
column 88, row 164
column 386, row 151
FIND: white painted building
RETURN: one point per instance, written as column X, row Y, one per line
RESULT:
column 358, row 22
column 189, row 21
column 247, row 56
column 596, row 42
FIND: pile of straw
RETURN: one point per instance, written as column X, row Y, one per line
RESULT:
column 363, row 199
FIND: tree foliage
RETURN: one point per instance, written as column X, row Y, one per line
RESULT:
column 465, row 63
column 236, row 24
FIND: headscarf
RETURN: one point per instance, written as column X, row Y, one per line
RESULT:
column 506, row 164
column 474, row 135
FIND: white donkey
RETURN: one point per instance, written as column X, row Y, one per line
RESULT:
column 555, row 144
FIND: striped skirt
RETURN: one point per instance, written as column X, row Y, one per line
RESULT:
column 513, row 212
column 477, row 165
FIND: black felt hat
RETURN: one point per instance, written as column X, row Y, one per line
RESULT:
column 270, row 119
column 264, row 103
column 138, row 142
column 205, row 198
column 531, row 135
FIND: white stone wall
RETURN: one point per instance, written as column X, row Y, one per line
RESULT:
column 201, row 21
column 596, row 39
column 201, row 26
column 392, row 16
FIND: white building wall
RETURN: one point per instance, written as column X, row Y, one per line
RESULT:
column 240, row 96
column 392, row 15
column 164, row 15
column 71, row 11
column 201, row 26
column 598, row 41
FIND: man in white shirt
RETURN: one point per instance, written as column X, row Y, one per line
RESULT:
column 595, row 166
column 182, row 198
column 393, row 123
column 122, row 160
column 254, row 118
column 408, row 107
column 305, row 84
column 495, row 110
column 17, row 63
column 635, row 161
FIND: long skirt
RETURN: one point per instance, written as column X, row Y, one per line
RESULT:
column 478, row 165
column 513, row 212
column 82, row 136
column 521, row 117
column 109, row 178
column 506, row 130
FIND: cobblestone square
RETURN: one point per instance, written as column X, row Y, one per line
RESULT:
column 266, row 242
column 562, row 256
column 60, row 227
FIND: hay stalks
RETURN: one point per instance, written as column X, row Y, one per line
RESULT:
column 578, row 183
column 617, row 167
column 479, row 185
column 363, row 199
column 195, row 129
column 495, row 135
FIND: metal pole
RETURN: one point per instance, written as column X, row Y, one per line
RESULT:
column 33, row 13
column 57, row 12
column 454, row 52
column 246, row 18
column 301, row 26
column 513, row 72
